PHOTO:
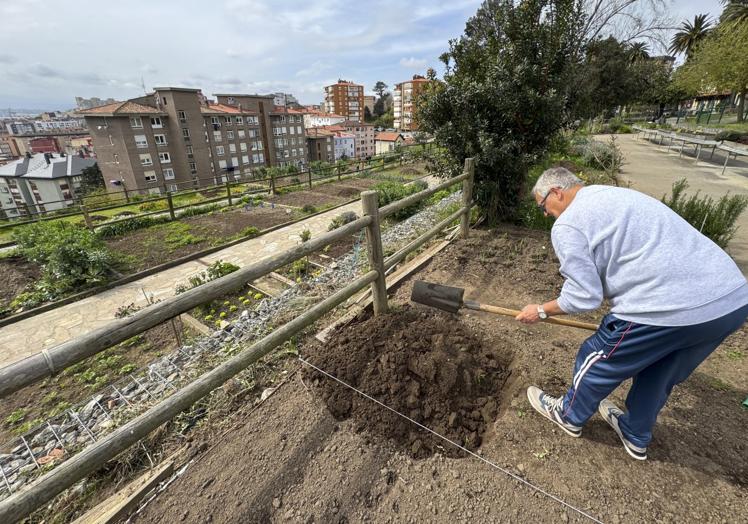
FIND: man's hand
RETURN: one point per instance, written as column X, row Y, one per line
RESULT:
column 529, row 314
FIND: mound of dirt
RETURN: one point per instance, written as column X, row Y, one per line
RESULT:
column 424, row 364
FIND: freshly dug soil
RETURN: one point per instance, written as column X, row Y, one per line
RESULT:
column 15, row 274
column 423, row 364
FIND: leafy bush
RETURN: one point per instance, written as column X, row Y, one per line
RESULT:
column 217, row 269
column 157, row 205
column 69, row 257
column 342, row 219
column 733, row 136
column 390, row 191
column 198, row 210
column 132, row 224
column 309, row 208
column 599, row 155
column 250, row 231
column 715, row 219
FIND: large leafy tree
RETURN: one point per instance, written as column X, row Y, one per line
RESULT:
column 719, row 63
column 690, row 35
column 735, row 11
column 505, row 94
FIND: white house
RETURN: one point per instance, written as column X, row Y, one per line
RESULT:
column 387, row 141
column 345, row 146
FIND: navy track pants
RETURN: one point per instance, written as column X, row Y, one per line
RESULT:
column 656, row 357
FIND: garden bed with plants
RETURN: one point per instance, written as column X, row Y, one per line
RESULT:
column 162, row 243
column 16, row 274
column 27, row 408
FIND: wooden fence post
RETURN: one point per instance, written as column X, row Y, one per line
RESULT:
column 170, row 201
column 272, row 183
column 87, row 217
column 228, row 192
column 370, row 206
column 310, row 179
column 467, row 196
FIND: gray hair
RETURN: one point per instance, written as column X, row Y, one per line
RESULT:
column 559, row 177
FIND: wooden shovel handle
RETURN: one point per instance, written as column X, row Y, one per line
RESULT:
column 477, row 306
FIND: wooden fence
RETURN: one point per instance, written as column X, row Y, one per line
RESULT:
column 48, row 362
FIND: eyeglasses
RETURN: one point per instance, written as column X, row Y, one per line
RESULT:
column 541, row 204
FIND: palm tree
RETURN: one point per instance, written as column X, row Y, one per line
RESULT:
column 735, row 11
column 638, row 51
column 690, row 35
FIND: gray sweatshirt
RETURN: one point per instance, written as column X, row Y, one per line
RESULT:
column 652, row 265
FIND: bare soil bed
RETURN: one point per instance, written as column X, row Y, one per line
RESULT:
column 156, row 245
column 307, row 198
column 306, row 456
column 15, row 274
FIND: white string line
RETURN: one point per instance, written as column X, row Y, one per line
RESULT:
column 506, row 472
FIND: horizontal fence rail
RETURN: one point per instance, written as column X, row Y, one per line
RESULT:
column 32, row 369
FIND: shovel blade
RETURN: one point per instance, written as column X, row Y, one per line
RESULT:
column 446, row 298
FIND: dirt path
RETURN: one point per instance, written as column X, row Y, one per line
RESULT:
column 292, row 461
column 652, row 169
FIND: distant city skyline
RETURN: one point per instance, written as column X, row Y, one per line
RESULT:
column 246, row 46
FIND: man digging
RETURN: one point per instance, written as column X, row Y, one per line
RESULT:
column 674, row 297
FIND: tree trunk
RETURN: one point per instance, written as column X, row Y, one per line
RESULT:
column 741, row 103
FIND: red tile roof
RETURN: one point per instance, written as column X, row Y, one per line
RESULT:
column 387, row 136
column 212, row 108
column 122, row 108
column 316, row 132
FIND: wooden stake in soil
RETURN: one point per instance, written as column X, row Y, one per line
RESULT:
column 467, row 196
column 87, row 218
column 370, row 206
column 228, row 192
column 170, row 201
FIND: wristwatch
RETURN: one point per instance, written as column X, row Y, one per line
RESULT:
column 541, row 312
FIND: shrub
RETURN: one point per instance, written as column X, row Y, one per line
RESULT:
column 342, row 219
column 250, row 231
column 305, row 235
column 154, row 205
column 715, row 219
column 309, row 208
column 599, row 155
column 733, row 136
column 69, row 257
column 390, row 191
column 132, row 224
column 198, row 210
column 217, row 269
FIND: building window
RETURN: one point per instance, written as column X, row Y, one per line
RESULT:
column 245, row 160
column 230, row 135
column 298, row 130
column 168, row 174
column 136, row 122
column 231, row 101
column 116, row 158
column 220, row 150
column 227, row 119
column 111, row 142
column 146, row 160
column 160, row 139
column 193, row 167
column 173, row 188
column 141, row 142
column 222, row 164
column 164, row 158
column 156, row 122
column 150, row 176
column 182, row 116
column 189, row 150
column 239, row 120
column 215, row 121
column 232, row 148
column 242, row 133
column 217, row 135
column 243, row 147
column 252, row 133
column 185, row 132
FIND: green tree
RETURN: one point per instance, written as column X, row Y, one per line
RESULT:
column 505, row 94
column 690, row 35
column 638, row 51
column 735, row 11
column 380, row 88
column 719, row 63
column 91, row 179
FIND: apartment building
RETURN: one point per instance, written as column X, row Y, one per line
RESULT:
column 289, row 137
column 316, row 118
column 345, row 98
column 364, row 137
column 39, row 183
column 173, row 139
column 404, row 100
column 345, row 146
column 320, row 145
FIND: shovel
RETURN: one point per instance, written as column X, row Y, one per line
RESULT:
column 450, row 299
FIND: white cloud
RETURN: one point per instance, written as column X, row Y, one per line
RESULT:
column 413, row 63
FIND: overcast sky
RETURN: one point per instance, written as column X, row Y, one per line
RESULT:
column 54, row 50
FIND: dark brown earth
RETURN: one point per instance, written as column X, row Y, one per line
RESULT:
column 421, row 364
column 291, row 460
column 150, row 247
column 304, row 198
column 15, row 274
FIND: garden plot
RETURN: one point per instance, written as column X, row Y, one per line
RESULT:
column 156, row 245
column 315, row 453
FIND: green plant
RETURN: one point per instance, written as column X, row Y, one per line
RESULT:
column 390, row 191
column 15, row 417
column 257, row 296
column 127, row 368
column 131, row 224
column 69, row 257
column 309, row 208
column 250, row 231
column 305, row 235
column 342, row 219
column 715, row 219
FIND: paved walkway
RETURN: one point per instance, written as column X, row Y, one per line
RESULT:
column 54, row 327
column 652, row 169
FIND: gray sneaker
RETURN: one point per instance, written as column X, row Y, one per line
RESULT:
column 550, row 408
column 610, row 412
